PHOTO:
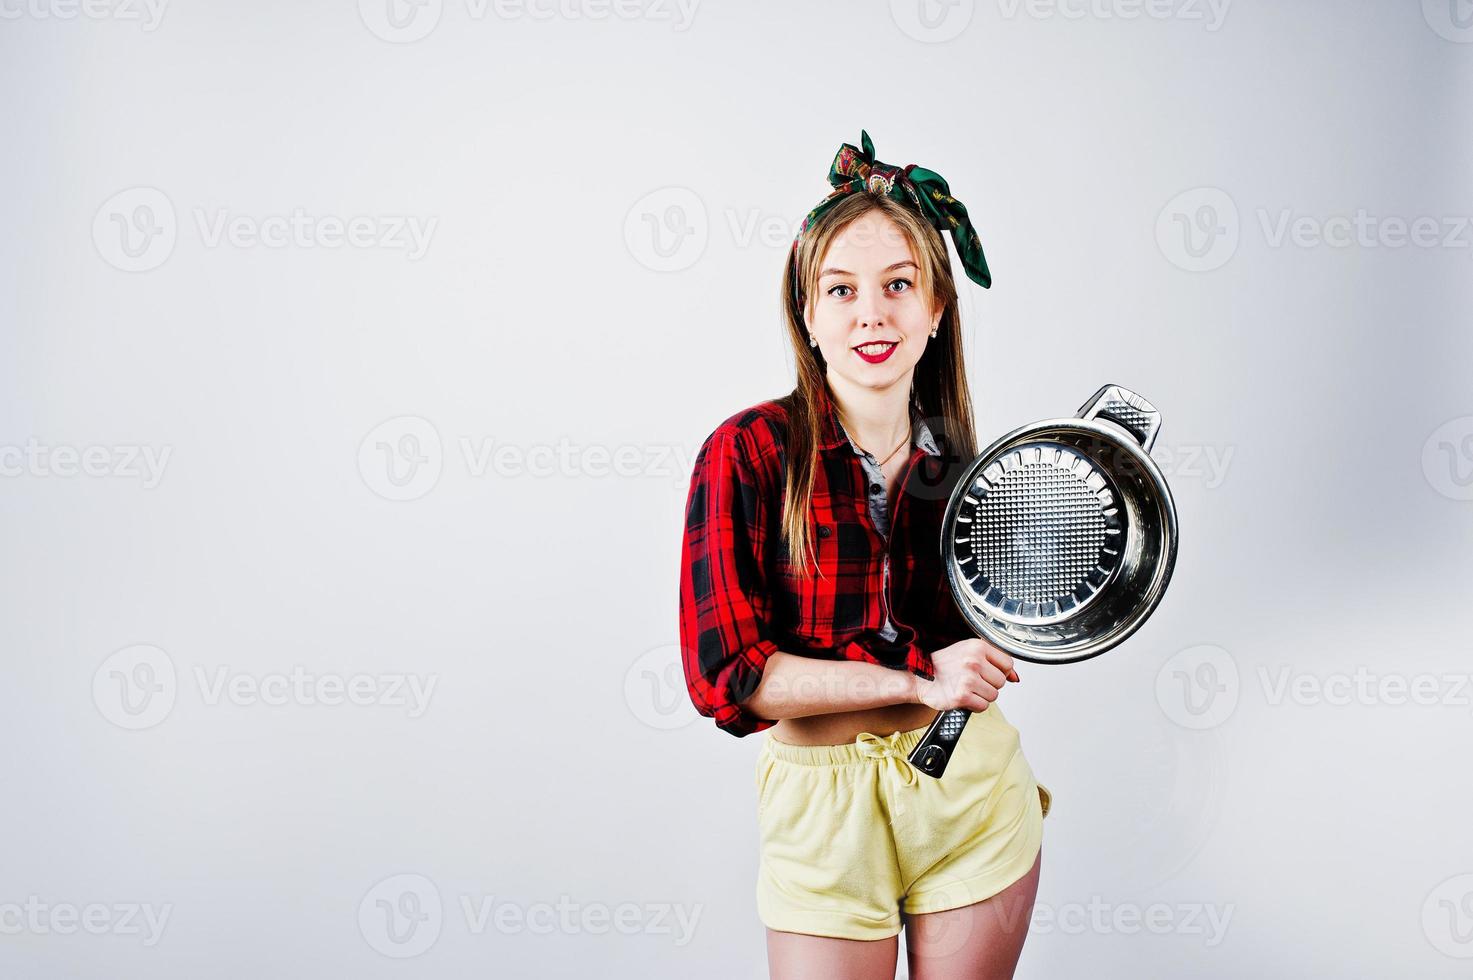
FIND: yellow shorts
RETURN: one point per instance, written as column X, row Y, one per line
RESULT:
column 853, row 834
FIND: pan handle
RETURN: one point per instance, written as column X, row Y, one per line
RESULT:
column 933, row 751
column 1118, row 404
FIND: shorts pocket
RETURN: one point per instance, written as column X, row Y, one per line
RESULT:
column 1045, row 798
column 765, row 765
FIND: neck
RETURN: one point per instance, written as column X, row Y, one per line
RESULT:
column 876, row 418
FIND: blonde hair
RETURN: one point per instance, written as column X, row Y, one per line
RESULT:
column 940, row 378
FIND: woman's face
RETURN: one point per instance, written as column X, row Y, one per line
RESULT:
column 870, row 320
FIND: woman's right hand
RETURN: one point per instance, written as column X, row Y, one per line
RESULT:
column 969, row 674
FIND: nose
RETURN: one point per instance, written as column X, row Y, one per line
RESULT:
column 868, row 313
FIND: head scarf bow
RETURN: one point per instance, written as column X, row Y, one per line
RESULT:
column 856, row 169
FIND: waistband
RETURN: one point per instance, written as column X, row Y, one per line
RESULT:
column 865, row 747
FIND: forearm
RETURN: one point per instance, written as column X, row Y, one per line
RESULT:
column 794, row 686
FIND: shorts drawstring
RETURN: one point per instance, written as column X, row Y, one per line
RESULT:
column 873, row 746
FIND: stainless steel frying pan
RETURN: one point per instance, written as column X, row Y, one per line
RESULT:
column 1058, row 541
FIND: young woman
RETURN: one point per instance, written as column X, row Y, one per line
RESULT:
column 813, row 603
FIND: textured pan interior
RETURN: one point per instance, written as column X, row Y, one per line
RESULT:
column 1060, row 538
column 1040, row 532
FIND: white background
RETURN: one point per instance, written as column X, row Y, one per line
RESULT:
column 381, row 464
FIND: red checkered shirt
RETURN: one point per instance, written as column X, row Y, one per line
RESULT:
column 741, row 599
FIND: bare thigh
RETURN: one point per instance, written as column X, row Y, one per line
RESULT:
column 975, row 942
column 795, row 956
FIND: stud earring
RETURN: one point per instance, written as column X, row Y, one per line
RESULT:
column 812, row 341
column 933, row 332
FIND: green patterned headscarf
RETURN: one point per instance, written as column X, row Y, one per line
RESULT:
column 855, row 169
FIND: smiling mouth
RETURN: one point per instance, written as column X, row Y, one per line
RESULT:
column 877, row 352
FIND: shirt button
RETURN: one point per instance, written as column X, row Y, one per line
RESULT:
column 875, row 488
column 823, row 530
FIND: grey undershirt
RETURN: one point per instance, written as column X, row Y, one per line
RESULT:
column 877, row 495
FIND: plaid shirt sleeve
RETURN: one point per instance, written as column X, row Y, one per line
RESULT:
column 725, row 633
